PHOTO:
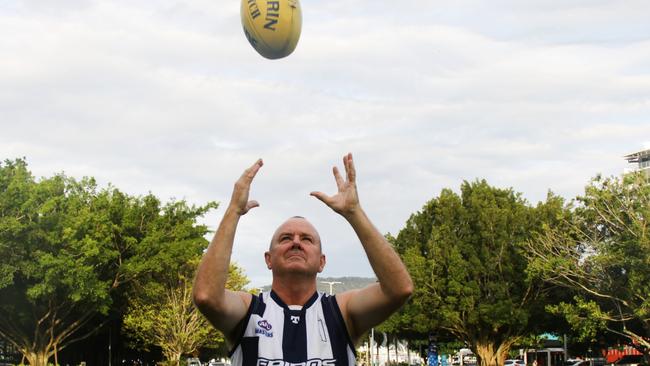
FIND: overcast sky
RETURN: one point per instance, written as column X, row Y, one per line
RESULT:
column 168, row 97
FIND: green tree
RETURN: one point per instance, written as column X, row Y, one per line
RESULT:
column 466, row 256
column 69, row 248
column 164, row 315
column 603, row 254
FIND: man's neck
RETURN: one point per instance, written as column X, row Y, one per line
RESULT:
column 294, row 290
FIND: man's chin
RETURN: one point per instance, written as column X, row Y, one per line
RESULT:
column 299, row 268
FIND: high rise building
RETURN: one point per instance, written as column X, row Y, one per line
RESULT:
column 642, row 161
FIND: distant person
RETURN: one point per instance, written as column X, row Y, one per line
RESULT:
column 293, row 323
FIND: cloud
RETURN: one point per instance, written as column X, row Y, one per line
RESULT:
column 168, row 97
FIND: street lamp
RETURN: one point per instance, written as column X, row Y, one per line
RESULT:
column 331, row 283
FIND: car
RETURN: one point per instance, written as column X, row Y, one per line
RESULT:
column 514, row 362
column 576, row 362
column 193, row 362
column 630, row 360
column 214, row 362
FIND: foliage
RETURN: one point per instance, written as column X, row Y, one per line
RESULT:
column 604, row 257
column 169, row 319
column 466, row 256
column 69, row 248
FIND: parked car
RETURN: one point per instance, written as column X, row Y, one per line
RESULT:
column 576, row 362
column 514, row 362
column 630, row 360
column 214, row 362
column 193, row 362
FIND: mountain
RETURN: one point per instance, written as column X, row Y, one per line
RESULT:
column 346, row 283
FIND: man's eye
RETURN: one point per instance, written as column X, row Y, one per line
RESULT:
column 307, row 239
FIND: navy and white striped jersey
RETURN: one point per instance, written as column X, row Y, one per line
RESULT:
column 278, row 335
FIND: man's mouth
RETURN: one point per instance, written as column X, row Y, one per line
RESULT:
column 296, row 255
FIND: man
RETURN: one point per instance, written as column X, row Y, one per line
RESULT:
column 293, row 324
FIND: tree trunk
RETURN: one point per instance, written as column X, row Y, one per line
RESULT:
column 175, row 358
column 491, row 354
column 486, row 354
column 37, row 358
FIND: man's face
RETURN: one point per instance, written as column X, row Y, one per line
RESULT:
column 296, row 248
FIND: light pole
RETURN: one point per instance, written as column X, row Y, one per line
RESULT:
column 331, row 283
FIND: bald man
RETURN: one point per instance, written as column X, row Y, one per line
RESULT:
column 293, row 324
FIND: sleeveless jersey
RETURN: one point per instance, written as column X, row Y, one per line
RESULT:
column 275, row 335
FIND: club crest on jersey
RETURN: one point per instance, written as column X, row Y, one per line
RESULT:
column 295, row 319
column 264, row 328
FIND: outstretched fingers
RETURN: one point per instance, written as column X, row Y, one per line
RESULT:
column 250, row 173
column 240, row 193
column 349, row 168
column 339, row 180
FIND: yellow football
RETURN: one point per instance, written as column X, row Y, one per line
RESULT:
column 272, row 26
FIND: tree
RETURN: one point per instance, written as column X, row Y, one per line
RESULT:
column 466, row 256
column 603, row 256
column 166, row 317
column 69, row 248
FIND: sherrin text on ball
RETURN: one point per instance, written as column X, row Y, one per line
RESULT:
column 272, row 26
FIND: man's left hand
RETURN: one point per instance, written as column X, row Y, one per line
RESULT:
column 346, row 200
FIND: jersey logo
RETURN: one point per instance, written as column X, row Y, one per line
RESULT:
column 295, row 319
column 264, row 327
column 264, row 324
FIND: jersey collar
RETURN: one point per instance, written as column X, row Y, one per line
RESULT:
column 279, row 301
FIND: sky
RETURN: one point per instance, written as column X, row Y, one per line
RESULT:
column 168, row 97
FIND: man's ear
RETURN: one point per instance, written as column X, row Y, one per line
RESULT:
column 267, row 259
column 322, row 263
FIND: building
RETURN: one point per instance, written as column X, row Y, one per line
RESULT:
column 8, row 353
column 642, row 161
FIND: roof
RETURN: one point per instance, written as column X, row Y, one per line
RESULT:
column 636, row 157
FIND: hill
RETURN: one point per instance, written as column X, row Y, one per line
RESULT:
column 345, row 283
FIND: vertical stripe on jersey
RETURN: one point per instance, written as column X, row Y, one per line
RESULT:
column 256, row 307
column 249, row 349
column 294, row 339
column 338, row 336
column 259, row 307
column 294, row 336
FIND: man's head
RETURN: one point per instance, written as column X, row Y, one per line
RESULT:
column 295, row 247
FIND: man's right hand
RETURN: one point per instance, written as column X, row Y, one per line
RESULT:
column 222, row 307
column 239, row 201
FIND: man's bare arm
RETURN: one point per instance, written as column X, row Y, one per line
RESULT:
column 365, row 308
column 225, row 309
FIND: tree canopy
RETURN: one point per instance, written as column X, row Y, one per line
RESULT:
column 465, row 253
column 603, row 255
column 163, row 314
column 69, row 248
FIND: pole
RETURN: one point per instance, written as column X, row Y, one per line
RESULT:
column 372, row 344
column 109, row 344
column 332, row 283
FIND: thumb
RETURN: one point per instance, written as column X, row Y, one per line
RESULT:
column 321, row 196
column 249, row 205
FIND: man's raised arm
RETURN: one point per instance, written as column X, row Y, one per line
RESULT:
column 224, row 308
column 367, row 307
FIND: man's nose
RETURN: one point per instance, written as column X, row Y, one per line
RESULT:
column 296, row 242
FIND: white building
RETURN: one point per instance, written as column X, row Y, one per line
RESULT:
column 642, row 161
column 380, row 354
